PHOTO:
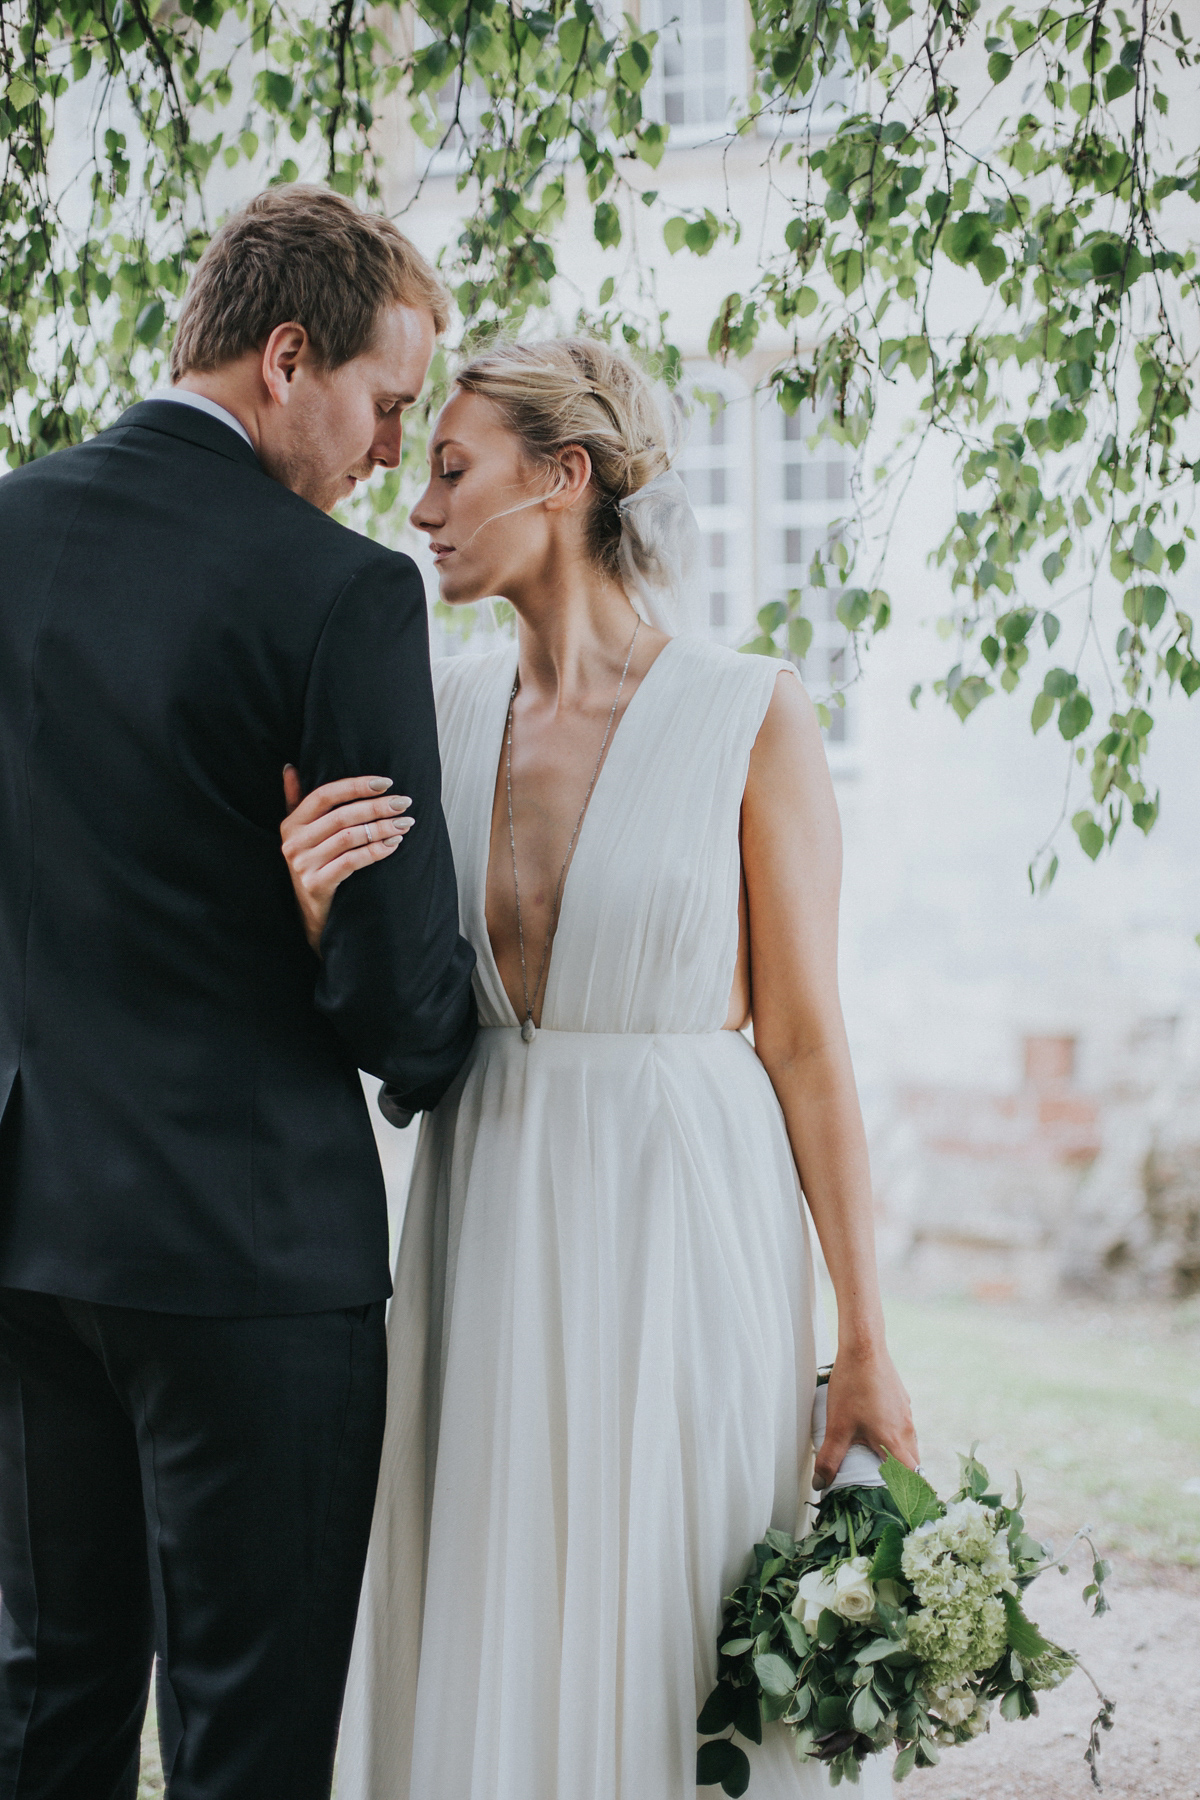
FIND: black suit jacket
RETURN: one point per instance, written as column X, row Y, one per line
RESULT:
column 183, row 1124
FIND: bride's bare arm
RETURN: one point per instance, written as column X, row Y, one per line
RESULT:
column 792, row 858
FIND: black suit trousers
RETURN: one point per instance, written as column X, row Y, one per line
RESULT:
column 200, row 1484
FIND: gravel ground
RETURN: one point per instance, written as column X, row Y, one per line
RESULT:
column 1145, row 1654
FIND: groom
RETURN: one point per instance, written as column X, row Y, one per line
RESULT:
column 193, row 1239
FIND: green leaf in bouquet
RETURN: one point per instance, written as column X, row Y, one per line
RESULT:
column 805, row 1743
column 832, row 1713
column 771, row 1569
column 866, row 1711
column 720, row 1709
column 775, row 1675
column 801, row 1705
column 1023, row 1635
column 773, row 1706
column 797, row 1636
column 781, row 1543
column 828, row 1627
column 915, row 1499
column 1094, row 1591
column 893, row 1618
column 886, row 1565
column 974, row 1479
column 905, row 1763
column 881, row 1650
column 723, row 1764
column 749, row 1716
column 844, row 1768
column 1018, row 1703
column 1025, row 1549
column 736, row 1646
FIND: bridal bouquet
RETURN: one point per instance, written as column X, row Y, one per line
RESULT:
column 898, row 1621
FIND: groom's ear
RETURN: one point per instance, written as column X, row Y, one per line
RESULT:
column 286, row 348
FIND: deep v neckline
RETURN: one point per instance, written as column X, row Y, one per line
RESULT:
column 488, row 822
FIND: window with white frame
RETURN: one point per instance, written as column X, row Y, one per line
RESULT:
column 715, row 464
column 803, row 494
column 699, row 77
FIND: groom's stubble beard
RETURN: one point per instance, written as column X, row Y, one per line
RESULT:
column 304, row 465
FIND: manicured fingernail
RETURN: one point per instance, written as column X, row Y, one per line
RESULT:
column 398, row 802
column 379, row 784
column 819, row 1482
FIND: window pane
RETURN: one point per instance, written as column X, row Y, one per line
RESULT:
column 715, row 462
column 801, row 495
column 701, row 60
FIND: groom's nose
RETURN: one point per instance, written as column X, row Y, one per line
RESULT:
column 388, row 438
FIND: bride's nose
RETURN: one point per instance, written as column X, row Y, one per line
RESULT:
column 423, row 516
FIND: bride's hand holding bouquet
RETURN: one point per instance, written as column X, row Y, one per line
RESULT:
column 896, row 1623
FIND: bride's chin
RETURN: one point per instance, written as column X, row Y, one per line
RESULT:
column 453, row 593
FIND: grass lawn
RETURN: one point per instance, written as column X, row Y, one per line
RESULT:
column 1099, row 1410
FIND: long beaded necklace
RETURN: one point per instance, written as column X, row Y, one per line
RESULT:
column 528, row 1028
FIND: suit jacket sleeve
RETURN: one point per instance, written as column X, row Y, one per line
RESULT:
column 396, row 976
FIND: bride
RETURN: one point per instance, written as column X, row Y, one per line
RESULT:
column 605, row 1336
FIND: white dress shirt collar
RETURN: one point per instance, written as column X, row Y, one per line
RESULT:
column 202, row 403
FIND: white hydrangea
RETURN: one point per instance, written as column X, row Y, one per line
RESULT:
column 957, row 1566
column 958, row 1638
column 952, row 1701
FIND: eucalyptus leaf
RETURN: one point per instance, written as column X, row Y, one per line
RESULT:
column 721, row 1763
column 720, row 1709
column 775, row 1674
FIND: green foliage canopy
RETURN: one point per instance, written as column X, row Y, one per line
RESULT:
column 1001, row 226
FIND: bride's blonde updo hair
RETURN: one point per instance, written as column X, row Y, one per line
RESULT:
column 578, row 391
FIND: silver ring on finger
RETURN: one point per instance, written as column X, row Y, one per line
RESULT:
column 369, row 833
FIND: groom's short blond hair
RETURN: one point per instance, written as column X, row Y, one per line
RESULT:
column 302, row 255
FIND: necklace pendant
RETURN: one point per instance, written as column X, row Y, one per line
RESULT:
column 528, row 1031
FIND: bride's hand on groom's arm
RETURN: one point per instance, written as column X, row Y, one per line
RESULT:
column 331, row 832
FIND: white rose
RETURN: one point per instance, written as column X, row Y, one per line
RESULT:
column 854, row 1597
column 815, row 1594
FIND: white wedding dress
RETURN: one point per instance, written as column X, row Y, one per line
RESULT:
column 602, row 1355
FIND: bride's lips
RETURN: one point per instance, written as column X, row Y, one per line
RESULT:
column 441, row 551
